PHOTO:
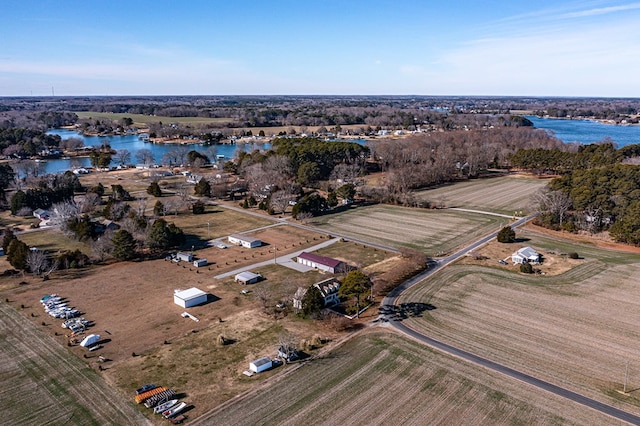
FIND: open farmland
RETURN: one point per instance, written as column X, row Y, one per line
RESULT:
column 576, row 329
column 42, row 384
column 142, row 119
column 382, row 378
column 431, row 231
column 503, row 195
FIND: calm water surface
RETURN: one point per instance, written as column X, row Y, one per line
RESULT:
column 587, row 131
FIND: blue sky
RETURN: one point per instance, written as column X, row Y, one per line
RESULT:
column 396, row 47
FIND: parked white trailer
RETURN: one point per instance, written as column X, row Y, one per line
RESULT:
column 90, row 340
column 199, row 263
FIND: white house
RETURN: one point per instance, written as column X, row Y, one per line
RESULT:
column 244, row 241
column 260, row 364
column 247, row 277
column 41, row 214
column 326, row 264
column 328, row 289
column 189, row 298
column 525, row 254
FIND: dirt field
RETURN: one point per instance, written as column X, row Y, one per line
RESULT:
column 432, row 231
column 576, row 329
column 132, row 307
column 381, row 378
column 499, row 195
column 42, row 384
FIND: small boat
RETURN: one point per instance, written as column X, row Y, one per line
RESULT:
column 145, row 388
column 165, row 406
column 174, row 410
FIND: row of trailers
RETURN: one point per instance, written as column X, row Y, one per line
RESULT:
column 57, row 307
column 163, row 401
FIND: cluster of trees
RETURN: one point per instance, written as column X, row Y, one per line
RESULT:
column 431, row 159
column 38, row 262
column 595, row 192
column 26, row 142
column 569, row 157
column 47, row 190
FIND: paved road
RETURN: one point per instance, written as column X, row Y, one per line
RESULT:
column 388, row 311
column 281, row 260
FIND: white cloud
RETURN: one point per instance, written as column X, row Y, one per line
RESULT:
column 601, row 11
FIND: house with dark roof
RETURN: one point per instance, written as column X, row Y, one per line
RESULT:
column 326, row 264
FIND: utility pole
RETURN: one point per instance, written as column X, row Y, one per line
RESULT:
column 626, row 374
column 208, row 230
column 275, row 254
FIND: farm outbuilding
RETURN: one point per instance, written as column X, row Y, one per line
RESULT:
column 244, row 241
column 188, row 298
column 199, row 263
column 184, row 256
column 326, row 264
column 247, row 277
column 260, row 364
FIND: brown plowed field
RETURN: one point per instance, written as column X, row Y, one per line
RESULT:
column 42, row 384
column 576, row 329
column 382, row 378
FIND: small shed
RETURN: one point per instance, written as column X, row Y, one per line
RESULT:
column 188, row 298
column 260, row 364
column 199, row 263
column 245, row 241
column 184, row 256
column 247, row 277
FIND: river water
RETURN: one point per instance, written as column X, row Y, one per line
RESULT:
column 133, row 144
column 588, row 131
column 581, row 131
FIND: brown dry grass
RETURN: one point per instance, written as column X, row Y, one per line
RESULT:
column 382, row 378
column 574, row 329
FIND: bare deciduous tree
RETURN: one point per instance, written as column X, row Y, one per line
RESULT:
column 122, row 156
column 37, row 262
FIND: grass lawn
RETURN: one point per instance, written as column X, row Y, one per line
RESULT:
column 355, row 254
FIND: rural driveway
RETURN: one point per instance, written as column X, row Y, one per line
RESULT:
column 388, row 311
column 285, row 260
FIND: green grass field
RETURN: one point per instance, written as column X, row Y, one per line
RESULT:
column 142, row 120
column 430, row 231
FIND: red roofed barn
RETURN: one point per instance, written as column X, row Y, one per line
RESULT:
column 326, row 264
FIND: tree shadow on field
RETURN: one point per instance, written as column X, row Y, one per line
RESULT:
column 521, row 240
column 410, row 310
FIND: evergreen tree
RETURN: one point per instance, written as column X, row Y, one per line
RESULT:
column 312, row 301
column 355, row 283
column 154, row 189
column 124, row 245
column 203, row 188
column 6, row 239
column 506, row 235
column 17, row 256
